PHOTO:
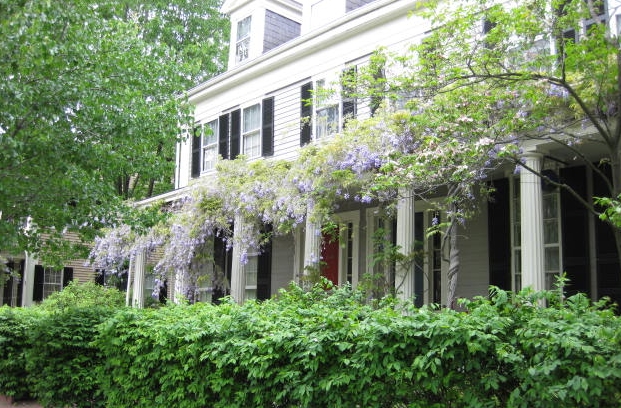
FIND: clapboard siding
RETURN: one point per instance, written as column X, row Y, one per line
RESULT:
column 282, row 262
column 473, row 278
column 287, row 122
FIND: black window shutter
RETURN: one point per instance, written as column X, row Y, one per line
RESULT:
column 100, row 277
column 575, row 227
column 348, row 84
column 37, row 288
column 67, row 276
column 8, row 285
column 264, row 271
column 499, row 235
column 196, row 152
column 349, row 109
column 20, row 285
column 306, row 111
column 235, row 133
column 267, row 130
column 223, row 137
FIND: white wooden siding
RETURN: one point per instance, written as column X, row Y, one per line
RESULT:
column 282, row 262
column 474, row 252
column 287, row 119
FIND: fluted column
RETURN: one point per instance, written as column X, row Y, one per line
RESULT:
column 404, row 273
column 139, row 271
column 312, row 244
column 531, row 210
column 238, row 277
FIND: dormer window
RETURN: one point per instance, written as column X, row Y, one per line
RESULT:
column 243, row 39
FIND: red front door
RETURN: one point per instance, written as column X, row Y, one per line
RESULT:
column 330, row 258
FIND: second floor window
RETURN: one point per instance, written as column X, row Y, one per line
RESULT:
column 243, row 39
column 210, row 145
column 251, row 131
column 327, row 113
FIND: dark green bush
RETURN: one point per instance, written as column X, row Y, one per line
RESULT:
column 61, row 362
column 319, row 350
column 16, row 324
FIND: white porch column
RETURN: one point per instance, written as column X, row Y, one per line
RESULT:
column 28, row 279
column 312, row 245
column 531, row 220
column 404, row 273
column 139, row 271
column 238, row 277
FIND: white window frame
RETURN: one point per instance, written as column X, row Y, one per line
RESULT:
column 209, row 145
column 52, row 281
column 251, row 142
column 325, row 105
column 347, row 218
column 251, row 276
column 242, row 45
column 374, row 220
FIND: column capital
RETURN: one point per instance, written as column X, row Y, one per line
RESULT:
column 531, row 154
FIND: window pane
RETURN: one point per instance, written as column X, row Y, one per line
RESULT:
column 550, row 231
column 327, row 121
column 243, row 28
column 252, row 118
column 251, row 269
column 241, row 49
column 209, row 158
column 252, row 145
column 552, row 259
column 210, row 135
column 550, row 208
column 550, row 280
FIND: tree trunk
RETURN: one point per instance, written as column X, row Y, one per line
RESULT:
column 454, row 264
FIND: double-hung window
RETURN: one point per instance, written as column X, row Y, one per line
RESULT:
column 210, row 145
column 243, row 39
column 52, row 281
column 251, row 131
column 49, row 280
column 327, row 113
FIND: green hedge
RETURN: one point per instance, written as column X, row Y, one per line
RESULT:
column 16, row 324
column 318, row 349
column 313, row 350
column 62, row 362
column 46, row 351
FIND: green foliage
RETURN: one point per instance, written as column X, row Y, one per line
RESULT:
column 16, row 324
column 90, row 108
column 61, row 361
column 325, row 347
column 80, row 295
column 611, row 209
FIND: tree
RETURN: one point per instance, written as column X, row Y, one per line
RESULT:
column 90, row 108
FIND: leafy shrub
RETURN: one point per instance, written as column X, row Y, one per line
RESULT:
column 323, row 348
column 326, row 348
column 83, row 295
column 15, row 326
column 61, row 362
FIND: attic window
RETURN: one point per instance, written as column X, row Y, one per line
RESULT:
column 243, row 39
